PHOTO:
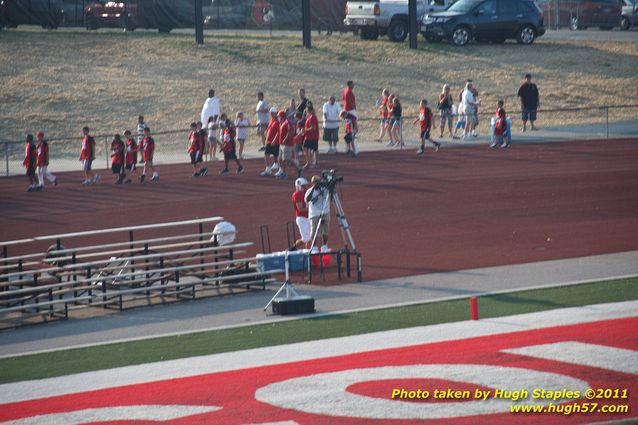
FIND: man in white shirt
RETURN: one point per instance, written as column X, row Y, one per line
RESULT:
column 318, row 200
column 263, row 118
column 469, row 104
column 211, row 108
column 331, row 110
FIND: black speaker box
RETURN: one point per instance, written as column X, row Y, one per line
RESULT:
column 296, row 305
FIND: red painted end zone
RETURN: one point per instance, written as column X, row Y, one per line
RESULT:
column 260, row 395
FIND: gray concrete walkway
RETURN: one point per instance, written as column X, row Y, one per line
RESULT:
column 248, row 308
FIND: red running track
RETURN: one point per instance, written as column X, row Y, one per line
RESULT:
column 451, row 210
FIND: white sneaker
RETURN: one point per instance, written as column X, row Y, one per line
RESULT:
column 467, row 137
column 274, row 167
column 493, row 145
column 279, row 173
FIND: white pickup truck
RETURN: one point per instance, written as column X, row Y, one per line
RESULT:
column 372, row 18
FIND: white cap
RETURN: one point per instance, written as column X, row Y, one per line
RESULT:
column 273, row 110
column 300, row 182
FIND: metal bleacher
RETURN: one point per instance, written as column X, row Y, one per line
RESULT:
column 170, row 263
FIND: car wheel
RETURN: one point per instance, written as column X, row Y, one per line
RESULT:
column 398, row 30
column 624, row 23
column 574, row 23
column 526, row 35
column 461, row 36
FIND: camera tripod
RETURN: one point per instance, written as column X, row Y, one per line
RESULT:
column 349, row 247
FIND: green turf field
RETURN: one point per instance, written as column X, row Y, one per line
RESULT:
column 65, row 362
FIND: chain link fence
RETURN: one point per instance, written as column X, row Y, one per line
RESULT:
column 170, row 146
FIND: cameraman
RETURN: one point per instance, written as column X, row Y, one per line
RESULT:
column 318, row 200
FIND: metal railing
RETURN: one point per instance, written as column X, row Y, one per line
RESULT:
column 171, row 144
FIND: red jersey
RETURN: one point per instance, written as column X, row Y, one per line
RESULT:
column 148, row 148
column 311, row 127
column 299, row 197
column 43, row 153
column 117, row 147
column 425, row 118
column 228, row 144
column 298, row 139
column 384, row 107
column 202, row 136
column 500, row 126
column 131, row 152
column 348, row 100
column 272, row 133
column 285, row 134
column 30, row 155
column 349, row 122
column 193, row 142
column 88, row 148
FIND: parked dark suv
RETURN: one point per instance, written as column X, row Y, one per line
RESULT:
column 47, row 13
column 485, row 20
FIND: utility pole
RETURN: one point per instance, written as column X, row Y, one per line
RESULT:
column 413, row 24
column 199, row 23
column 305, row 17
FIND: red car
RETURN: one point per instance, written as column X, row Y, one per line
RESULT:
column 111, row 14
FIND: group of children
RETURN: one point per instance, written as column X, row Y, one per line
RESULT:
column 201, row 143
column 392, row 121
column 124, row 155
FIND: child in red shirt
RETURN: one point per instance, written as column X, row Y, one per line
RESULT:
column 87, row 155
column 425, row 121
column 500, row 127
column 271, row 153
column 311, row 137
column 30, row 161
column 130, row 155
column 228, row 146
column 349, row 121
column 148, row 150
column 195, row 150
column 117, row 158
column 43, row 161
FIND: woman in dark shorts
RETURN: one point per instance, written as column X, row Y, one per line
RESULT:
column 397, row 122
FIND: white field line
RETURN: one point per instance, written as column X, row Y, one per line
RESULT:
column 331, row 313
column 193, row 366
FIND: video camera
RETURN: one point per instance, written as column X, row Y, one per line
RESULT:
column 329, row 180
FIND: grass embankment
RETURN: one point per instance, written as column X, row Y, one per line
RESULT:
column 61, row 80
column 65, row 362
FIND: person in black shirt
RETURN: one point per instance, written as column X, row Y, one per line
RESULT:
column 528, row 93
column 303, row 103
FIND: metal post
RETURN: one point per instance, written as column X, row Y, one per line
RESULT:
column 412, row 24
column 199, row 23
column 305, row 18
column 606, row 122
column 6, row 156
